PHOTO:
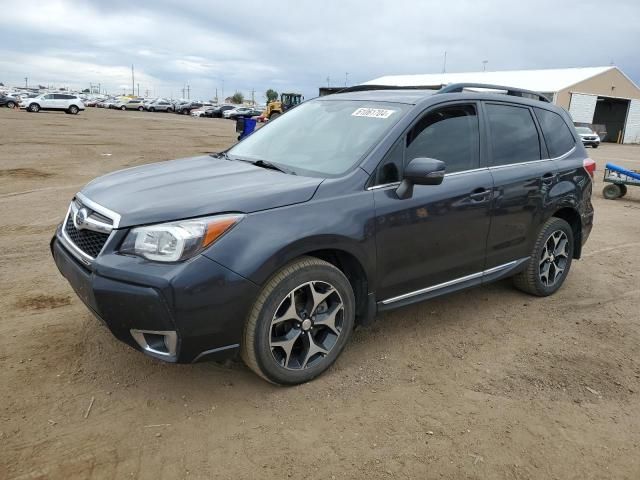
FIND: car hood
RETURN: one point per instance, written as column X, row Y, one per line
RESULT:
column 192, row 187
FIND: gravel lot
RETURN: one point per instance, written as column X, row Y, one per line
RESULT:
column 489, row 383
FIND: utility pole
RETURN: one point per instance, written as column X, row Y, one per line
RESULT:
column 133, row 81
column 484, row 65
column 217, row 95
column 188, row 92
column 253, row 97
column 444, row 63
column 346, row 78
column 328, row 81
column 138, row 89
column 223, row 89
column 26, row 82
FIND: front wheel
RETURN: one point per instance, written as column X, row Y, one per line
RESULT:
column 34, row 107
column 550, row 260
column 123, row 108
column 274, row 115
column 300, row 322
column 151, row 109
column 594, row 146
column 11, row 105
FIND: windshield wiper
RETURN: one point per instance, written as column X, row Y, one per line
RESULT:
column 272, row 166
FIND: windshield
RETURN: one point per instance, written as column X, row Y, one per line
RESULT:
column 324, row 138
column 583, row 130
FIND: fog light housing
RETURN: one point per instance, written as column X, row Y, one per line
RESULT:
column 163, row 343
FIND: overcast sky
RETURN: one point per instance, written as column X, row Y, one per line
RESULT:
column 295, row 45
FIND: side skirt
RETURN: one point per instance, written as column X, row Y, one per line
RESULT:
column 475, row 279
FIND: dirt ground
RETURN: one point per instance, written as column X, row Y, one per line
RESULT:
column 489, row 383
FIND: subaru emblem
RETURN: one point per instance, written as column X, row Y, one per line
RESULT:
column 80, row 218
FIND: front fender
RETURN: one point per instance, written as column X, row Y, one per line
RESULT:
column 265, row 241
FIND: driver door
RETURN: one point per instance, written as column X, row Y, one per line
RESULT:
column 439, row 234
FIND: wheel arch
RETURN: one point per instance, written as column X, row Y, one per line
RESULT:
column 353, row 269
column 572, row 217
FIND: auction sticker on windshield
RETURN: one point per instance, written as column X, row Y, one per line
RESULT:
column 373, row 112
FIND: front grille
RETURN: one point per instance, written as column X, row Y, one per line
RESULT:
column 88, row 241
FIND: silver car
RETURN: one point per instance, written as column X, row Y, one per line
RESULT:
column 160, row 106
column 588, row 136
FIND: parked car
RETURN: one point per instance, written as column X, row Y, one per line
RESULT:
column 218, row 111
column 66, row 102
column 185, row 108
column 348, row 205
column 132, row 104
column 8, row 101
column 241, row 112
column 160, row 106
column 589, row 137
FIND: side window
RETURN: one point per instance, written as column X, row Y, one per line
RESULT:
column 514, row 136
column 59, row 96
column 449, row 134
column 49, row 97
column 556, row 133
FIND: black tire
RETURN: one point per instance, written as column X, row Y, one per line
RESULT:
column 274, row 115
column 73, row 110
column 123, row 108
column 623, row 190
column 11, row 105
column 532, row 279
column 170, row 110
column 257, row 350
column 151, row 109
column 34, row 107
column 594, row 146
column 140, row 108
column 612, row 191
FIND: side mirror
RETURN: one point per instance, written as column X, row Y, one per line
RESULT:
column 420, row 171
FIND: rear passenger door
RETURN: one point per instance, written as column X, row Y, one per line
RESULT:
column 523, row 175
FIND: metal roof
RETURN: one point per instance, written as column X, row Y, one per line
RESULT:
column 548, row 80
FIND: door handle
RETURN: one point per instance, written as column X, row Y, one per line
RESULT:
column 480, row 194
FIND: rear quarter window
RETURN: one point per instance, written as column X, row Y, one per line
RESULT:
column 557, row 135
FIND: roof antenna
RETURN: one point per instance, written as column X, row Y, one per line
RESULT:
column 444, row 63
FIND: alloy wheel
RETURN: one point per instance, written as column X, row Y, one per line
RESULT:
column 554, row 258
column 306, row 325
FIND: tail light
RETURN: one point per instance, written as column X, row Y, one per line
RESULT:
column 590, row 166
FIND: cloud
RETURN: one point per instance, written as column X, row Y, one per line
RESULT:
column 296, row 45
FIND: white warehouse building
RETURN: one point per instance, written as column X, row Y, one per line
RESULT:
column 603, row 97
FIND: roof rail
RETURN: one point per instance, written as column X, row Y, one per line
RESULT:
column 515, row 92
column 364, row 88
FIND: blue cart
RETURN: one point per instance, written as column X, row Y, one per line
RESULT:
column 618, row 179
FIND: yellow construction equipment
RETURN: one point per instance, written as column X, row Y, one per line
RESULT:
column 278, row 107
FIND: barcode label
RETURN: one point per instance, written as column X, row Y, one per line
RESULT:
column 373, row 112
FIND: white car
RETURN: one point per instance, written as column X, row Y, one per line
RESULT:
column 588, row 137
column 237, row 111
column 54, row 101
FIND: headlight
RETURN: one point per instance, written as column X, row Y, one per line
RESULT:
column 176, row 241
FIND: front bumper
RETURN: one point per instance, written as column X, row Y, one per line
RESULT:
column 204, row 303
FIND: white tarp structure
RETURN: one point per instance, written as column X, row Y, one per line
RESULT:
column 543, row 81
column 632, row 128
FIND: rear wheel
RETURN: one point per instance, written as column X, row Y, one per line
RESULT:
column 300, row 323
column 34, row 107
column 623, row 190
column 140, row 108
column 151, row 109
column 550, row 261
column 73, row 110
column 274, row 115
column 612, row 191
column 11, row 104
column 123, row 108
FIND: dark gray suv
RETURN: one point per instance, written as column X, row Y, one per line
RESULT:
column 345, row 206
